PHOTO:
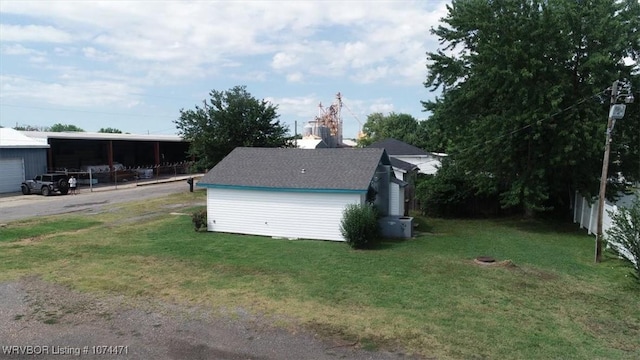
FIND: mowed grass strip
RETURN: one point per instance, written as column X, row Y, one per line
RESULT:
column 425, row 295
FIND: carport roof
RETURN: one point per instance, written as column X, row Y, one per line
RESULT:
column 13, row 139
column 77, row 135
column 292, row 169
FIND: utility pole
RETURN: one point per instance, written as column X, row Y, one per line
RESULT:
column 616, row 111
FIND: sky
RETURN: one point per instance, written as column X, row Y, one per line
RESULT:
column 132, row 65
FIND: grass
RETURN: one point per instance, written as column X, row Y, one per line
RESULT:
column 35, row 228
column 424, row 295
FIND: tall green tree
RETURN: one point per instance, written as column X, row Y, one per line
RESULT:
column 378, row 127
column 64, row 127
column 30, row 128
column 110, row 130
column 519, row 110
column 227, row 120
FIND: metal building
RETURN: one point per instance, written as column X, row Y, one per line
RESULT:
column 21, row 158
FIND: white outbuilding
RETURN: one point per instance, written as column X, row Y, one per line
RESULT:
column 296, row 193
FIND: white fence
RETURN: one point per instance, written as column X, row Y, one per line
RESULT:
column 586, row 213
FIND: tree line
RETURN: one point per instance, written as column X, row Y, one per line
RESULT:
column 59, row 127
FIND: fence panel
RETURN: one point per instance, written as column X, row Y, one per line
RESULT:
column 586, row 213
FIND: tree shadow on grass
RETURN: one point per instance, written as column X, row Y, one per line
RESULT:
column 385, row 243
column 540, row 226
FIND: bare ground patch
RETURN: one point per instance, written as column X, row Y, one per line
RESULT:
column 35, row 312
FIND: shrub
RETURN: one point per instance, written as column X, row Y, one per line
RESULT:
column 199, row 219
column 446, row 193
column 623, row 238
column 451, row 193
column 359, row 225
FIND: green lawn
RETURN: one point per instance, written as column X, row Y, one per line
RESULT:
column 425, row 295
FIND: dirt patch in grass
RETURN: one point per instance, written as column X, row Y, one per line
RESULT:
column 185, row 205
column 24, row 242
column 540, row 274
column 508, row 264
column 33, row 311
column 51, row 303
column 35, row 240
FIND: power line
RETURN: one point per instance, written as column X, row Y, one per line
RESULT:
column 549, row 117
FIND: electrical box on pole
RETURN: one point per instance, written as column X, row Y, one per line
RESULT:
column 617, row 111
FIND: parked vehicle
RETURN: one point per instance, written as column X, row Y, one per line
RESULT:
column 46, row 184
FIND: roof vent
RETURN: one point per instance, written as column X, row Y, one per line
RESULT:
column 302, row 171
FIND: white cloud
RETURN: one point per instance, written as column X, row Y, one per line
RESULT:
column 64, row 51
column 283, row 60
column 33, row 33
column 250, row 76
column 34, row 56
column 70, row 92
column 370, row 75
column 18, row 50
column 38, row 59
column 302, row 106
column 139, row 46
column 381, row 107
column 95, row 54
column 383, row 41
column 295, row 77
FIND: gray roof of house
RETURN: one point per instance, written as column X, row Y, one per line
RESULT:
column 397, row 147
column 289, row 168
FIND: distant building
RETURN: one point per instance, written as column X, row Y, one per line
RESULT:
column 21, row 158
column 427, row 162
column 80, row 150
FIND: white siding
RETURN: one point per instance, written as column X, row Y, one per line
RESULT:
column 400, row 201
column 399, row 174
column 396, row 200
column 303, row 215
column 12, row 171
column 394, row 196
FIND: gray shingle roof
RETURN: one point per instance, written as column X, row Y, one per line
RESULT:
column 397, row 147
column 282, row 168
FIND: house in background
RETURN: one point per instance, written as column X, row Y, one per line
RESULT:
column 407, row 161
column 21, row 158
column 297, row 193
column 427, row 162
column 310, row 144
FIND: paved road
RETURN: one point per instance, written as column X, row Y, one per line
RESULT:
column 17, row 206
